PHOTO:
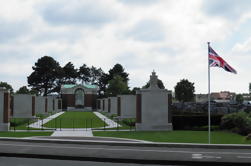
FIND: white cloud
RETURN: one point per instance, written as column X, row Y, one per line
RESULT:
column 168, row 36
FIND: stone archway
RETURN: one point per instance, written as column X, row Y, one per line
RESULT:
column 79, row 98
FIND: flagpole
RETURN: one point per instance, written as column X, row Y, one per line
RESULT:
column 209, row 98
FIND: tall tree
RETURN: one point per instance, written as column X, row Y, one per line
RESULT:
column 134, row 90
column 160, row 85
column 23, row 90
column 184, row 91
column 84, row 73
column 118, row 70
column 7, row 86
column 117, row 86
column 45, row 75
column 70, row 74
column 95, row 75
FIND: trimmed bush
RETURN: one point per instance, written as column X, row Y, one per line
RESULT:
column 239, row 122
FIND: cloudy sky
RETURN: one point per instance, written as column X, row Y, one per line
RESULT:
column 168, row 36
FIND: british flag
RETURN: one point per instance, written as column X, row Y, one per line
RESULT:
column 216, row 61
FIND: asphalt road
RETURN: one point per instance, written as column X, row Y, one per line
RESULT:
column 125, row 154
column 14, row 161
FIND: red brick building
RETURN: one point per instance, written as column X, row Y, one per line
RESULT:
column 79, row 96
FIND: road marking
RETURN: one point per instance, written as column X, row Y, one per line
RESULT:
column 114, row 149
column 200, row 156
column 244, row 157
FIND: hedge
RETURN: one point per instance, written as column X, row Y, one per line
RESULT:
column 183, row 122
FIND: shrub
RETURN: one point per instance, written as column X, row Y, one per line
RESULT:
column 239, row 122
column 129, row 122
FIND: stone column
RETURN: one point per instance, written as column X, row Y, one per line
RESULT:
column 4, row 109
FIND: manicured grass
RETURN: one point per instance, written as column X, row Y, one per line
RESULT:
column 180, row 136
column 24, row 134
column 76, row 120
column 21, row 124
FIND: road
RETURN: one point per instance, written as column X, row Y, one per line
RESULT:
column 14, row 161
column 124, row 154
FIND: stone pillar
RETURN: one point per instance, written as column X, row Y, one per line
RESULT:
column 4, row 109
column 46, row 105
column 113, row 105
column 103, row 104
column 58, row 105
column 152, row 107
column 106, row 105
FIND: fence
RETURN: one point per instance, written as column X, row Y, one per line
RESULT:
column 70, row 124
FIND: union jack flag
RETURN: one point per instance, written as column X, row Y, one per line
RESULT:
column 216, row 61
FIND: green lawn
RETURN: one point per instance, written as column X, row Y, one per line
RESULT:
column 24, row 134
column 76, row 120
column 21, row 124
column 179, row 136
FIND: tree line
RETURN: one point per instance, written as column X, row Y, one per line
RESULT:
column 48, row 76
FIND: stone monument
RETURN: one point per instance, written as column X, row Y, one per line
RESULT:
column 152, row 107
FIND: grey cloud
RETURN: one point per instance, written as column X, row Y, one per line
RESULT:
column 148, row 31
column 10, row 30
column 231, row 9
column 76, row 12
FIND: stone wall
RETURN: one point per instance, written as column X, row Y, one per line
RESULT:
column 126, row 106
column 113, row 105
column 40, row 105
column 23, row 106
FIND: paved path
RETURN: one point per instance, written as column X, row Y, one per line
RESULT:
column 39, row 123
column 75, row 133
column 109, row 122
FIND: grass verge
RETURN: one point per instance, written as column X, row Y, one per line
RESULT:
column 179, row 136
column 24, row 134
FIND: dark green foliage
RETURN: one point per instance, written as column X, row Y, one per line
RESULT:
column 118, row 70
column 117, row 86
column 134, row 90
column 84, row 73
column 69, row 74
column 129, row 122
column 239, row 99
column 239, row 122
column 7, row 86
column 184, row 91
column 116, row 75
column 160, row 85
column 190, row 122
column 23, row 90
column 45, row 76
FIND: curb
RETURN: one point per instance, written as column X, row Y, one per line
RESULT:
column 125, row 143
